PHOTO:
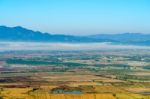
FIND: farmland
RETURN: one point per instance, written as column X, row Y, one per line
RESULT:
column 110, row 74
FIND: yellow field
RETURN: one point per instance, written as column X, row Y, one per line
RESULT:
column 90, row 89
column 24, row 93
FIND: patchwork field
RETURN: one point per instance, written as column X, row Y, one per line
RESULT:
column 115, row 74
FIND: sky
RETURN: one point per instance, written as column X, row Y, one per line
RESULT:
column 77, row 17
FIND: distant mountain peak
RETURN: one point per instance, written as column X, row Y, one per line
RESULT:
column 3, row 26
column 18, row 27
column 19, row 33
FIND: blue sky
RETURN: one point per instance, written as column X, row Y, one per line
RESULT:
column 78, row 17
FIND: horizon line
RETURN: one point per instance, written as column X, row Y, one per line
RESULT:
column 51, row 33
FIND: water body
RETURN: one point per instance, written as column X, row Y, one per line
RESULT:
column 8, row 46
column 145, row 93
column 62, row 91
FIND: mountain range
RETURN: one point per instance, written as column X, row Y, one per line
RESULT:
column 20, row 34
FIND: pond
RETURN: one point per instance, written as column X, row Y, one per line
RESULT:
column 145, row 93
column 61, row 91
column 66, row 90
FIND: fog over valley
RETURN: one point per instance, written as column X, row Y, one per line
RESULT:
column 8, row 46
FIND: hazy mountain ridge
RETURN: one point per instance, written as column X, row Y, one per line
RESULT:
column 22, row 34
column 126, row 38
